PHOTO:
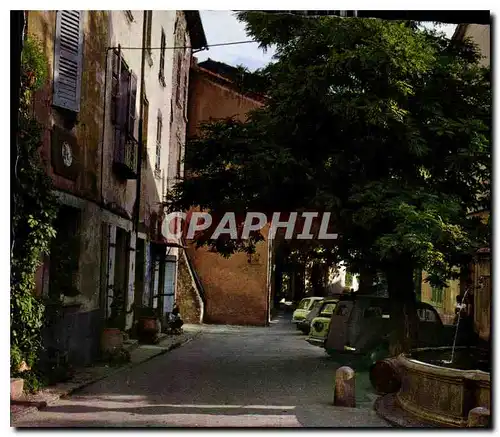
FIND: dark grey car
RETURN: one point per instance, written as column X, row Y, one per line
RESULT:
column 360, row 326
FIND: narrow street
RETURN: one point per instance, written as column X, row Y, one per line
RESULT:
column 227, row 376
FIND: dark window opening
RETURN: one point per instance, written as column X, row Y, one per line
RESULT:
column 65, row 254
column 159, row 127
column 161, row 74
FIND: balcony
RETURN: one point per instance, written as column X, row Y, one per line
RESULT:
column 126, row 156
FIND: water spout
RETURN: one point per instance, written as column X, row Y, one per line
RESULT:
column 456, row 329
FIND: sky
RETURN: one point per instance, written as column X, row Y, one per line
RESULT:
column 222, row 26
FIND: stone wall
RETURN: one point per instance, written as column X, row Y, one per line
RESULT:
column 186, row 297
column 235, row 288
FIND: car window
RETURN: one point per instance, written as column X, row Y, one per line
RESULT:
column 373, row 312
column 316, row 304
column 304, row 304
column 327, row 309
column 426, row 315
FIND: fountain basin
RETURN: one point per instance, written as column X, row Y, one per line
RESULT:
column 434, row 393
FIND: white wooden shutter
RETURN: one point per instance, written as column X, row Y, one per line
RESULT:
column 111, row 267
column 169, row 285
column 156, row 279
column 131, row 280
column 68, row 60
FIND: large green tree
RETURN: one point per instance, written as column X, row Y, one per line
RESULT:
column 383, row 124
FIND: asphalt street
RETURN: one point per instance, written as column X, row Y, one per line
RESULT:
column 226, row 377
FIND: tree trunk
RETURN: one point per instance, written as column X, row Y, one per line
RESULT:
column 366, row 278
column 402, row 297
column 299, row 281
column 318, row 280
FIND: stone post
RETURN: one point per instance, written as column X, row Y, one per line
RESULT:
column 345, row 384
column 16, row 389
column 479, row 417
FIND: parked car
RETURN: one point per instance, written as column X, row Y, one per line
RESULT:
column 303, row 308
column 320, row 325
column 305, row 325
column 360, row 326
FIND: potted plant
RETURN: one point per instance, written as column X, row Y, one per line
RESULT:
column 148, row 325
column 112, row 335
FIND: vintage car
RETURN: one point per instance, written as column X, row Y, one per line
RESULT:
column 303, row 308
column 321, row 324
column 360, row 326
column 305, row 325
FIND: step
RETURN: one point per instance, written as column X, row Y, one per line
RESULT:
column 130, row 345
column 162, row 336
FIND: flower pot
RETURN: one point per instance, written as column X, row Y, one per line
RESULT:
column 111, row 340
column 148, row 328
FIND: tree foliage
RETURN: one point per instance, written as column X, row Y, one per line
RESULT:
column 35, row 208
column 383, row 124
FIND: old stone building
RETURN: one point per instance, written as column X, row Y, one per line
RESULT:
column 234, row 290
column 100, row 82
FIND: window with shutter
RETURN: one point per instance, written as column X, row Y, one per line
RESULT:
column 123, row 117
column 115, row 85
column 159, row 126
column 186, row 94
column 149, row 24
column 68, row 60
column 162, row 58
column 145, row 117
column 178, row 83
column 132, row 96
column 124, row 99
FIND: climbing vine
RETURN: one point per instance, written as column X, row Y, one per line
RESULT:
column 35, row 209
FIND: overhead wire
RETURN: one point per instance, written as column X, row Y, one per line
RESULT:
column 230, row 43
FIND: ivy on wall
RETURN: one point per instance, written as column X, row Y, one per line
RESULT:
column 35, row 209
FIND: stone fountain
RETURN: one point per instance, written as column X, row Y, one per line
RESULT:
column 433, row 393
column 439, row 387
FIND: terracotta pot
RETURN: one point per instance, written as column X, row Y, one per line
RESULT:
column 148, row 327
column 385, row 375
column 111, row 339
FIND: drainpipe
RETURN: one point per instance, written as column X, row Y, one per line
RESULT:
column 140, row 145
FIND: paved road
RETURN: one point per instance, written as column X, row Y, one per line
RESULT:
column 227, row 376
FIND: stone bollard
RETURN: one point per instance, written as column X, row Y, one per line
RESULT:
column 16, row 389
column 479, row 417
column 345, row 384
